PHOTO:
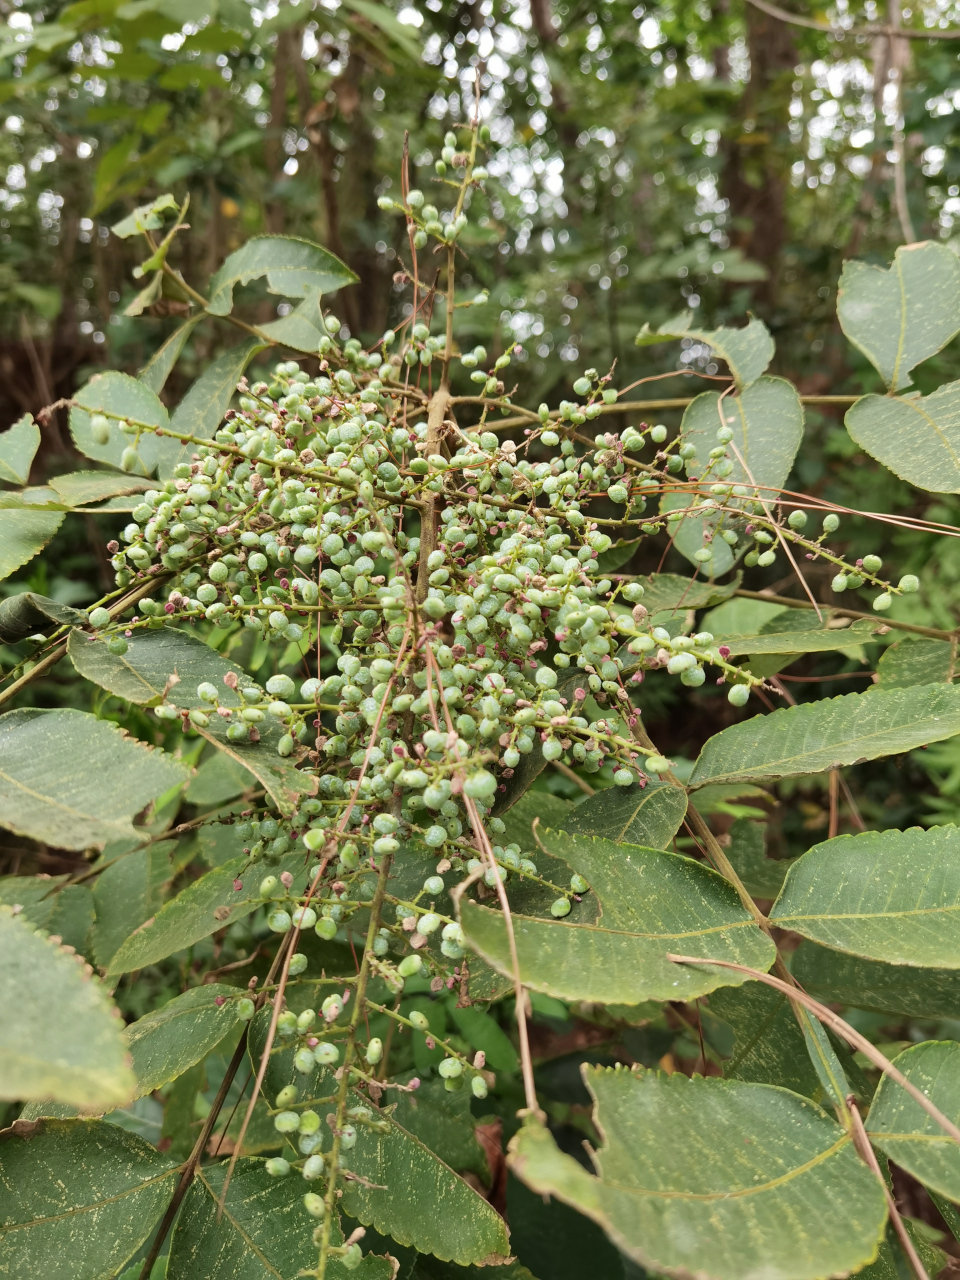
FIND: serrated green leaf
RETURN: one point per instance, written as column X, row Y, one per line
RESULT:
column 761, row 876
column 829, row 734
column 302, row 328
column 264, row 1233
column 917, row 438
column 18, row 446
column 118, row 393
column 747, row 351
column 481, row 1031
column 201, row 410
column 900, row 1126
column 81, row 1196
column 519, row 818
column 82, row 488
column 617, row 556
column 767, row 425
column 152, row 657
column 204, row 906
column 279, row 775
column 155, row 372
column 794, row 640
column 144, row 218
column 648, row 816
column 901, row 315
column 662, row 591
column 651, row 903
column 443, row 1122
column 66, row 913
column 127, row 893
column 74, row 781
column 916, row 660
column 60, row 1033
column 164, row 1043
column 408, row 1193
column 23, row 534
column 869, row 984
column 891, row 1264
column 293, row 267
column 561, row 1243
column 768, row 1045
column 29, row 613
column 892, row 896
column 776, row 1191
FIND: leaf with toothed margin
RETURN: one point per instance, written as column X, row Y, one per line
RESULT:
column 652, row 903
column 60, row 1035
column 80, row 1198
column 777, row 1189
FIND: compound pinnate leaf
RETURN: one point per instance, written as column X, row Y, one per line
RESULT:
column 293, row 267
column 778, row 1190
column 18, row 445
column 80, row 1198
column 898, row 316
column 900, row 1126
column 23, row 534
column 403, row 1189
column 918, row 439
column 74, row 781
column 651, row 903
column 60, row 1036
column 916, row 660
column 747, row 351
column 824, row 735
column 28, row 613
column 204, row 906
column 869, row 984
column 118, row 393
column 164, row 1043
column 892, row 896
column 152, row 657
column 263, row 1234
column 767, row 425
column 201, row 410
column 648, row 816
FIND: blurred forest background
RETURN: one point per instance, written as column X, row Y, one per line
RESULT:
column 648, row 157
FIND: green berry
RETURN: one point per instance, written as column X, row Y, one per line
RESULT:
column 268, row 886
column 100, row 428
column 419, row 1020
column 909, row 583
column 409, row 966
column 658, row 434
column 278, row 921
column 286, row 1122
column 656, row 764
column 314, row 1205
column 872, row 564
column 287, row 1096
column 304, row 1062
column 883, row 601
column 245, row 1009
column 326, row 929
column 99, row 617
column 326, row 1054
column 450, row 1068
column 298, row 964
column 623, row 778
column 374, row 1050
column 840, row 582
column 478, row 1087
column 739, row 695
column 433, row 885
column 578, row 884
column 277, row 1167
column 312, row 1168
column 560, row 908
column 831, row 523
column 797, row 519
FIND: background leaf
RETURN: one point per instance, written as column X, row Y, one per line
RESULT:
column 120, row 394
column 650, row 901
column 141, row 674
column 81, row 488
column 892, row 896
column 649, row 816
column 869, row 984
column 916, row 660
column 18, row 446
column 60, row 1033
column 292, row 266
column 165, row 1043
column 65, row 912
column 901, row 315
column 762, row 876
column 264, row 1233
column 747, row 351
column 204, row 906
column 778, row 1190
column 127, row 893
column 80, row 1198
column 767, row 424
column 155, row 372
column 824, row 735
column 22, row 535
column 917, row 438
column 28, row 613
column 905, row 1132
column 74, row 781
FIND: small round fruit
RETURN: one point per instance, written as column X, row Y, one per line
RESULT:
column 312, row 1168
column 478, row 1087
column 286, row 1122
column 560, row 908
column 314, row 1205
column 287, row 1096
column 277, row 1167
column 374, row 1050
column 739, row 695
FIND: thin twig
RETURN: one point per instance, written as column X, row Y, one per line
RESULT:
column 869, row 1157
column 840, row 33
